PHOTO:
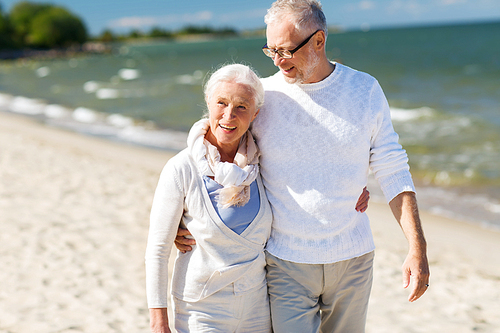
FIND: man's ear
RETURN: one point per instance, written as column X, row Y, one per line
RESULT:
column 320, row 40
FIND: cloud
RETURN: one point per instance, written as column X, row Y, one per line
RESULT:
column 362, row 5
column 366, row 5
column 452, row 2
column 148, row 21
column 237, row 16
column 413, row 7
column 133, row 22
column 198, row 18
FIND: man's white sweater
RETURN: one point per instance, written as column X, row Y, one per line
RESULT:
column 318, row 142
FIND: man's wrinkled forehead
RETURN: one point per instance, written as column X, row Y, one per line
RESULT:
column 282, row 35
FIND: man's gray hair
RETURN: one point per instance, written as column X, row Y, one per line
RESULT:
column 236, row 73
column 305, row 14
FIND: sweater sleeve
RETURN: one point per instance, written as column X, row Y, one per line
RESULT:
column 388, row 159
column 166, row 214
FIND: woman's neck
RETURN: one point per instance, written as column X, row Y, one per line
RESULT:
column 225, row 156
column 226, row 152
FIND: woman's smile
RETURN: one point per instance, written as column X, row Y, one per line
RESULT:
column 231, row 110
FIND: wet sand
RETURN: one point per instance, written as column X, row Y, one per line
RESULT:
column 73, row 228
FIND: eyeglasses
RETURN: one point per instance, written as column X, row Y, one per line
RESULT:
column 286, row 54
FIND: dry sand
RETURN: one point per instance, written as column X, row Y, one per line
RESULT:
column 73, row 227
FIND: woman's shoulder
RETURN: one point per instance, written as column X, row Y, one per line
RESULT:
column 179, row 159
column 180, row 165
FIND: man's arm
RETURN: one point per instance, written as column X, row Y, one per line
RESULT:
column 405, row 210
column 183, row 244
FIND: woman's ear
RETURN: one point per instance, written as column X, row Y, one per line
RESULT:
column 255, row 114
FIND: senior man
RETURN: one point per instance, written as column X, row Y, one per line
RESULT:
column 322, row 128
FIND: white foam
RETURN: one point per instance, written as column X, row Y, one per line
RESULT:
column 56, row 111
column 119, row 120
column 25, row 105
column 42, row 71
column 189, row 79
column 107, row 93
column 91, row 86
column 85, row 115
column 492, row 207
column 129, row 74
column 398, row 114
column 154, row 138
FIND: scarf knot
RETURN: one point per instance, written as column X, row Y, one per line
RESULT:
column 236, row 177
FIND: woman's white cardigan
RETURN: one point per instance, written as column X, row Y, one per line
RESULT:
column 221, row 256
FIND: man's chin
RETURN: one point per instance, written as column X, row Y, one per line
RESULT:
column 292, row 79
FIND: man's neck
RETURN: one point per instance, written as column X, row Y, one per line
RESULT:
column 324, row 70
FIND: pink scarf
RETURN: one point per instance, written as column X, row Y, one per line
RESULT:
column 234, row 177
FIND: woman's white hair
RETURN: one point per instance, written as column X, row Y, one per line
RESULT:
column 236, row 73
column 305, row 14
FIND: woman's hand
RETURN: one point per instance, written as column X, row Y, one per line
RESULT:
column 158, row 320
column 362, row 203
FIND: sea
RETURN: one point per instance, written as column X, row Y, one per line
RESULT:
column 442, row 83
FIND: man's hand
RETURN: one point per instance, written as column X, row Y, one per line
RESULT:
column 362, row 203
column 181, row 242
column 416, row 267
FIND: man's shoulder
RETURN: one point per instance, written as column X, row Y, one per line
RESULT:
column 271, row 81
column 352, row 73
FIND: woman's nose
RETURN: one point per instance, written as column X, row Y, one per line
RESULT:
column 229, row 113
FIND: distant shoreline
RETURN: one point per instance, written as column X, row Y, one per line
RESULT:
column 101, row 47
column 87, row 48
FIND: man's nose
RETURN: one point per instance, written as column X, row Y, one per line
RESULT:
column 277, row 59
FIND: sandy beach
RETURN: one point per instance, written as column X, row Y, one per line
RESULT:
column 73, row 228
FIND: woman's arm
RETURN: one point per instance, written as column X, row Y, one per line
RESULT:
column 166, row 214
column 158, row 320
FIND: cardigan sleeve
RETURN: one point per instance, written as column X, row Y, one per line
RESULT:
column 166, row 214
column 388, row 159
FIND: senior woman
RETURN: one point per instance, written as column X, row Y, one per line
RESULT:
column 213, row 189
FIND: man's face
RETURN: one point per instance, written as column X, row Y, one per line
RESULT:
column 302, row 66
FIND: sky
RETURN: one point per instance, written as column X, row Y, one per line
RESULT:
column 121, row 16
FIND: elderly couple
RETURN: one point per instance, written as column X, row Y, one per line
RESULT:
column 281, row 242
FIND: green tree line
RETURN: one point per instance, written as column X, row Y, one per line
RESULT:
column 157, row 32
column 40, row 25
column 44, row 25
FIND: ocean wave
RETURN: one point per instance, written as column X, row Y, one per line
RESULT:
column 93, row 122
column 398, row 114
column 25, row 105
column 129, row 74
column 480, row 206
column 56, row 111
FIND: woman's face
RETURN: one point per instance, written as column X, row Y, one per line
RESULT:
column 231, row 110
